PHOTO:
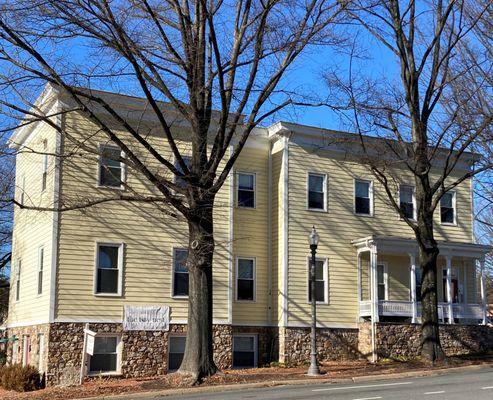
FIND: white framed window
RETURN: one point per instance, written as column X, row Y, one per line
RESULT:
column 363, row 197
column 44, row 174
column 448, row 214
column 109, row 269
column 111, row 170
column 41, row 256
column 245, row 190
column 18, row 280
column 317, row 191
column 245, row 351
column 382, row 281
column 176, row 350
column 321, row 280
column 106, row 358
column 178, row 180
column 407, row 201
column 245, row 279
column 180, row 273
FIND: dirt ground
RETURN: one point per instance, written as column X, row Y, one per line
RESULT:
column 335, row 370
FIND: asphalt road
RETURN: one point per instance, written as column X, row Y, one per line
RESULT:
column 470, row 385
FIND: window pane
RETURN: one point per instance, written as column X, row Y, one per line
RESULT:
column 243, row 343
column 244, row 359
column 188, row 162
column 246, row 198
column 446, row 200
column 380, row 274
column 246, row 181
column 447, row 215
column 110, row 176
column 315, row 183
column 319, row 270
column 362, row 205
column 180, row 284
column 381, row 292
column 111, row 157
column 406, row 194
column 177, row 344
column 111, row 168
column 245, row 269
column 180, row 260
column 103, row 363
column 174, row 361
column 107, row 281
column 408, row 210
column 362, row 189
column 108, row 257
column 319, row 291
column 316, row 200
column 105, row 344
column 245, row 289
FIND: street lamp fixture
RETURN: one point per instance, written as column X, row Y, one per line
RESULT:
column 313, row 370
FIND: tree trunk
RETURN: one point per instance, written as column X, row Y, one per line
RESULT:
column 198, row 359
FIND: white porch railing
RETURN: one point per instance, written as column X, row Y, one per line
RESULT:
column 393, row 308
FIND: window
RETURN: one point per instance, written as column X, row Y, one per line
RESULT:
column 419, row 280
column 245, row 351
column 246, row 190
column 40, row 269
column 176, row 351
column 245, row 279
column 111, row 172
column 317, row 198
column 22, row 196
column 447, row 208
column 382, row 281
column 407, row 200
column 362, row 197
column 18, row 280
column 178, row 180
column 180, row 273
column 105, row 356
column 321, row 281
column 44, row 175
column 108, row 268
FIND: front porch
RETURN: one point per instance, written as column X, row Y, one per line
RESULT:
column 389, row 281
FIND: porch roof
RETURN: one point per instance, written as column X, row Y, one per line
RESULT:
column 400, row 245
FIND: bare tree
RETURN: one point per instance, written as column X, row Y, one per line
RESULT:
column 418, row 110
column 219, row 65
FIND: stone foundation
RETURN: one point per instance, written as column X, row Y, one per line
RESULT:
column 15, row 348
column 332, row 344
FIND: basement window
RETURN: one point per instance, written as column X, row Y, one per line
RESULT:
column 176, row 352
column 244, row 351
column 105, row 358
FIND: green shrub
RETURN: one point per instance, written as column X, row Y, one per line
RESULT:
column 3, row 358
column 19, row 378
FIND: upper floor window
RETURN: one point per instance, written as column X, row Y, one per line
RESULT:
column 41, row 256
column 44, row 175
column 179, row 181
column 363, row 197
column 180, row 273
column 245, row 279
column 407, row 201
column 317, row 194
column 447, row 208
column 111, row 171
column 246, row 190
column 18, row 280
column 321, row 280
column 109, row 266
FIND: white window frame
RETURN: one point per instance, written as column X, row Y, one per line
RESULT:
column 18, row 268
column 40, row 269
column 169, row 345
column 454, row 206
column 324, row 176
column 119, row 347
column 326, row 279
column 254, row 175
column 177, row 166
column 413, row 199
column 370, row 193
column 254, row 279
column 385, row 278
column 255, row 348
column 173, row 275
column 120, row 247
column 44, row 173
column 123, row 168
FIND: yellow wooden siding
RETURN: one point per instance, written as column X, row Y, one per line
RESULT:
column 33, row 229
column 250, row 237
column 398, row 276
column 149, row 235
column 338, row 227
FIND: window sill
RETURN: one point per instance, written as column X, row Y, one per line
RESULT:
column 448, row 223
column 121, row 188
column 107, row 295
column 319, row 303
column 363, row 215
column 320, row 210
column 115, row 373
column 245, row 208
column 180, row 297
column 246, row 301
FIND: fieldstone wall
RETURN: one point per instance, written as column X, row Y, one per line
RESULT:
column 15, row 350
column 332, row 344
column 404, row 340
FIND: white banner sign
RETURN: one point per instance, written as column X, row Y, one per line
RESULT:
column 146, row 318
column 90, row 335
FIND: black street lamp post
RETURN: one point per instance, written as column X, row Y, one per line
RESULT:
column 313, row 370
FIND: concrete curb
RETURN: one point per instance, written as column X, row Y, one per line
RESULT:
column 307, row 381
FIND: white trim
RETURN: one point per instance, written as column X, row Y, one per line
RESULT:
column 120, row 246
column 44, row 170
column 370, row 194
column 255, row 348
column 231, row 239
column 123, row 167
column 254, row 260
column 325, row 260
column 40, row 269
column 321, row 324
column 269, row 235
column 285, row 208
column 179, row 296
column 413, row 199
column 237, row 188
column 454, row 206
column 119, row 350
column 324, row 187
column 27, row 323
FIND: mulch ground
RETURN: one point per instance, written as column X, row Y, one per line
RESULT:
column 334, row 370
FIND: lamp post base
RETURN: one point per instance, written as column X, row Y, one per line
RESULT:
column 313, row 370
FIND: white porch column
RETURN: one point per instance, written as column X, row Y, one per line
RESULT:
column 448, row 260
column 483, row 289
column 360, row 293
column 374, row 282
column 412, row 261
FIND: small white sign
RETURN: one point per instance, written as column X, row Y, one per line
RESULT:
column 146, row 318
column 90, row 335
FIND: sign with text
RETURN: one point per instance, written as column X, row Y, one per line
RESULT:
column 90, row 335
column 146, row 318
